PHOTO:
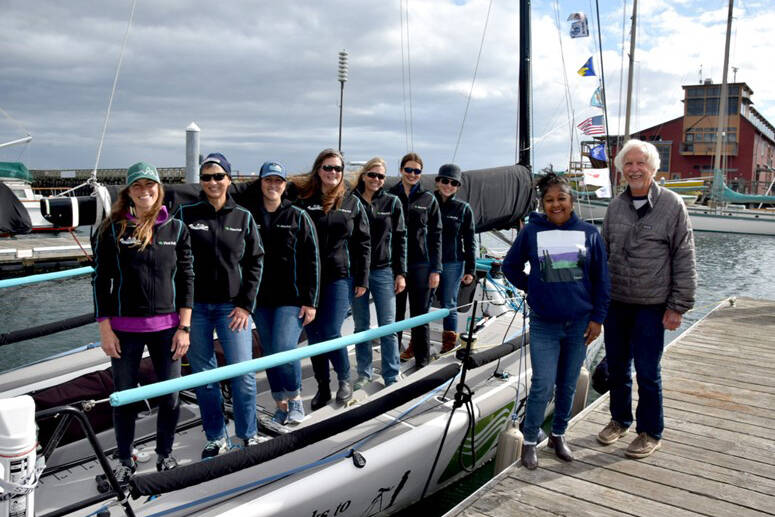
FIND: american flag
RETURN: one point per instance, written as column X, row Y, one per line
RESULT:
column 592, row 126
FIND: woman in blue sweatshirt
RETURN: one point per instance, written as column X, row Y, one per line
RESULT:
column 568, row 290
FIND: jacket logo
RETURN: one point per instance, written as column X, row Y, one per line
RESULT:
column 383, row 213
column 345, row 210
column 230, row 229
column 167, row 243
column 314, row 207
column 284, row 225
column 420, row 207
column 129, row 241
column 452, row 217
column 200, row 226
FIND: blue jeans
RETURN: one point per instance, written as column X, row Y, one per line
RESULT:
column 419, row 295
column 451, row 276
column 557, row 351
column 237, row 347
column 332, row 310
column 635, row 333
column 126, row 372
column 381, row 287
column 279, row 329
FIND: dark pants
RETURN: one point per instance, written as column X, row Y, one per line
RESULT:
column 634, row 333
column 125, row 376
column 332, row 310
column 419, row 295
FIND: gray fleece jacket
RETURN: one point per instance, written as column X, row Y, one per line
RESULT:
column 651, row 259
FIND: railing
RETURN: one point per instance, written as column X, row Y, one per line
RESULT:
column 122, row 398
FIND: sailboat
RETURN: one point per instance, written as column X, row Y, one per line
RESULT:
column 394, row 446
column 726, row 211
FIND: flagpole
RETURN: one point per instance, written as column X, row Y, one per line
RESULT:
column 603, row 96
column 629, row 73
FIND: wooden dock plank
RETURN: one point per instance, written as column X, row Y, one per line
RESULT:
column 718, row 448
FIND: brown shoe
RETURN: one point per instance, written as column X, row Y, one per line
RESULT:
column 611, row 432
column 408, row 353
column 448, row 341
column 529, row 456
column 643, row 446
column 560, row 447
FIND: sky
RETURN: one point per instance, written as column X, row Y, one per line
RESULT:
column 260, row 78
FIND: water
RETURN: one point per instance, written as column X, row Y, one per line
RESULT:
column 727, row 265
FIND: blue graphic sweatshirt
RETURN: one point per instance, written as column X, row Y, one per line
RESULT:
column 568, row 277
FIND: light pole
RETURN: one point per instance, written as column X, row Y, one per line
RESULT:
column 342, row 79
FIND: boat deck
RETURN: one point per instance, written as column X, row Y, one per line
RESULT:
column 29, row 251
column 718, row 448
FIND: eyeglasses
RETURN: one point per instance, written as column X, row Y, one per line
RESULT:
column 410, row 170
column 447, row 181
column 375, row 175
column 329, row 168
column 218, row 176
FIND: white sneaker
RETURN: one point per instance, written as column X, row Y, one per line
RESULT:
column 256, row 439
column 215, row 447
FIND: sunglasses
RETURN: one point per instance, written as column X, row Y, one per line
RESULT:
column 375, row 175
column 218, row 176
column 410, row 170
column 447, row 181
column 335, row 168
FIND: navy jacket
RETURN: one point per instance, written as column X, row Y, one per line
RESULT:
column 130, row 282
column 388, row 231
column 228, row 254
column 292, row 259
column 423, row 226
column 568, row 269
column 457, row 238
column 343, row 238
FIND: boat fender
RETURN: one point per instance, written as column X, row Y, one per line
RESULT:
column 600, row 377
column 582, row 391
column 509, row 446
column 358, row 460
column 18, row 469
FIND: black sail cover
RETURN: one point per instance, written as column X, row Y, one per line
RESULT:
column 500, row 196
column 14, row 218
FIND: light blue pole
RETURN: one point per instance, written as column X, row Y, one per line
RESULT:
column 122, row 398
column 31, row 279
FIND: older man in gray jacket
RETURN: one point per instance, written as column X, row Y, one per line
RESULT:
column 651, row 261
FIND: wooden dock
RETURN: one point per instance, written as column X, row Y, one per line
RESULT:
column 30, row 251
column 718, row 448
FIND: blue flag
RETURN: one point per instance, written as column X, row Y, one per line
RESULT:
column 597, row 98
column 598, row 153
column 587, row 70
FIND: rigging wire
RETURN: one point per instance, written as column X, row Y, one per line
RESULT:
column 409, row 77
column 568, row 99
column 113, row 92
column 473, row 81
column 403, row 76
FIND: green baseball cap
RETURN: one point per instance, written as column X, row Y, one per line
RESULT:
column 140, row 171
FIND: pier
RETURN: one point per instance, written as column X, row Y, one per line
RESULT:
column 718, row 449
column 32, row 251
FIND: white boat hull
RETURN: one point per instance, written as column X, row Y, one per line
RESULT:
column 704, row 219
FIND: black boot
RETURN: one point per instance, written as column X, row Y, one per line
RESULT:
column 322, row 397
column 529, row 456
column 560, row 447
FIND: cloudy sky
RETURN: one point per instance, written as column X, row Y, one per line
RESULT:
column 260, row 78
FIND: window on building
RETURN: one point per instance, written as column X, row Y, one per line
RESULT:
column 733, row 90
column 664, row 156
column 711, row 106
column 695, row 107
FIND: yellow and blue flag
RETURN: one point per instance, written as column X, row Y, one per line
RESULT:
column 588, row 69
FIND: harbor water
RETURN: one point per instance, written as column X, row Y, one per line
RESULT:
column 727, row 265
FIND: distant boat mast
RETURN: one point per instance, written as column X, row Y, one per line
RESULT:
column 718, row 176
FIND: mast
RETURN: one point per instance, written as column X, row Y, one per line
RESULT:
column 629, row 72
column 524, row 144
column 718, row 176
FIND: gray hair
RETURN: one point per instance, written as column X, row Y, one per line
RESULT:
column 647, row 148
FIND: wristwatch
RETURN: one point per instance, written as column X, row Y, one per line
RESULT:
column 185, row 328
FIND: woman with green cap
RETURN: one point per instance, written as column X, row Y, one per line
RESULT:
column 143, row 294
